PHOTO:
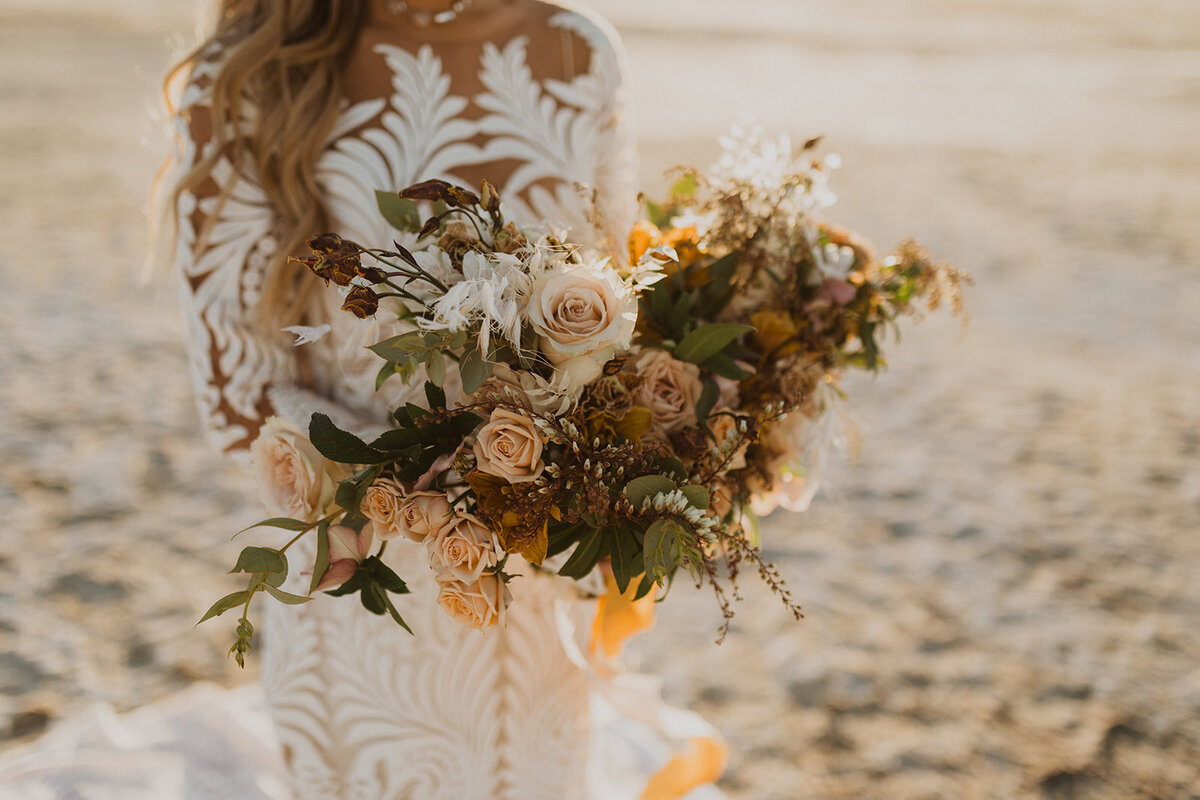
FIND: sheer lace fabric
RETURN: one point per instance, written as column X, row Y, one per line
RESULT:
column 362, row 710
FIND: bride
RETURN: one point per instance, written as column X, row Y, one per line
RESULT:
column 291, row 115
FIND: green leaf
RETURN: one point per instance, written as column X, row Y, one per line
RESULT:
column 383, row 575
column 386, row 371
column 584, row 559
column 287, row 524
column 726, row 367
column 474, row 370
column 638, row 489
column 680, row 314
column 373, row 598
column 684, row 188
column 434, row 394
column 706, row 341
column 710, row 393
column 435, row 368
column 286, row 597
column 322, row 563
column 391, row 609
column 401, row 213
column 661, row 306
column 657, row 214
column 261, row 560
column 673, row 467
column 627, row 562
column 644, row 588
column 341, row 446
column 225, row 603
column 400, row 348
column 697, row 495
column 661, row 549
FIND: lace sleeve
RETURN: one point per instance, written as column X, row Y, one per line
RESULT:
column 243, row 371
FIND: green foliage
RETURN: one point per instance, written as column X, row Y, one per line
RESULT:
column 661, row 548
column 584, row 559
column 339, row 445
column 697, row 496
column 474, row 370
column 374, row 582
column 401, row 213
column 625, row 549
column 225, row 603
column 707, row 341
column 262, row 560
column 638, row 489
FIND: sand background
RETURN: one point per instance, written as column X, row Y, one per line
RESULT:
column 1003, row 593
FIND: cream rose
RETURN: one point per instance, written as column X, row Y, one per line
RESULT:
column 461, row 551
column 294, row 480
column 477, row 605
column 509, row 447
column 669, row 388
column 724, row 430
column 422, row 515
column 581, row 308
column 381, row 504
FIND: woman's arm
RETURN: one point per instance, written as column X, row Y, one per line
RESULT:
column 244, row 368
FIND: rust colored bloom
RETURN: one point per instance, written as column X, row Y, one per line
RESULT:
column 362, row 302
column 337, row 260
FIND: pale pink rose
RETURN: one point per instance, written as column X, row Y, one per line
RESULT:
column 724, row 429
column 580, row 308
column 347, row 550
column 294, row 480
column 669, row 388
column 462, row 551
column 424, row 514
column 479, row 605
column 509, row 447
column 381, row 504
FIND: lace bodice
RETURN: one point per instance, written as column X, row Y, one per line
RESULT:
column 560, row 150
column 363, row 710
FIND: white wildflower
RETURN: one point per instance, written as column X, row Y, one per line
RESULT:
column 306, row 334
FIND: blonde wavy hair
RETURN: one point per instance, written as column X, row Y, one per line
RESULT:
column 284, row 59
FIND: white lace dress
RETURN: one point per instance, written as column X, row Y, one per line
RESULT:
column 363, row 710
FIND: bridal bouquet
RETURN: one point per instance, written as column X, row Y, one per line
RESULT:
column 581, row 412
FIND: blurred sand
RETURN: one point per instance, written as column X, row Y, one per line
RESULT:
column 1003, row 595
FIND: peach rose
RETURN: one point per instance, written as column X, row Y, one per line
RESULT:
column 381, row 504
column 422, row 515
column 461, row 551
column 509, row 447
column 581, row 308
column 669, row 388
column 294, row 480
column 479, row 605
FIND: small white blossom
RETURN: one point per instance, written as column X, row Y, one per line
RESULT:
column 307, row 335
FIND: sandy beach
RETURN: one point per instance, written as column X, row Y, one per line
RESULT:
column 1002, row 585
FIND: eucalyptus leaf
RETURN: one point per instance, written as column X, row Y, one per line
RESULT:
column 286, row 523
column 321, row 566
column 644, row 588
column 260, row 560
column 399, row 348
column 286, row 597
column 638, row 489
column 474, row 370
column 373, row 598
column 435, row 368
column 225, row 603
column 661, row 548
column 707, row 341
column 401, row 213
column 697, row 496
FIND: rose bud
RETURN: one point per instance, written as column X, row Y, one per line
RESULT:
column 362, row 302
